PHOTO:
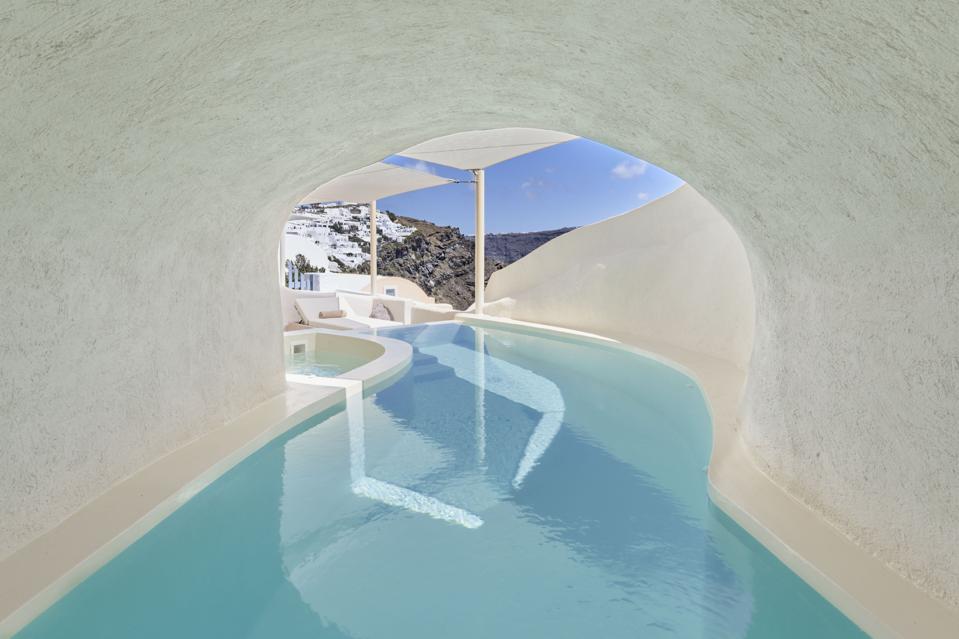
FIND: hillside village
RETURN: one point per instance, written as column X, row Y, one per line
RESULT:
column 336, row 239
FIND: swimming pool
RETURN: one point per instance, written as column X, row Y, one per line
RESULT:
column 508, row 485
column 320, row 364
column 318, row 353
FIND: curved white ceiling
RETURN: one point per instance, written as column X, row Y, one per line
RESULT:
column 482, row 149
column 373, row 182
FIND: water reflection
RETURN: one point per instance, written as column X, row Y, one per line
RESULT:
column 383, row 491
column 584, row 467
column 517, row 384
column 436, row 348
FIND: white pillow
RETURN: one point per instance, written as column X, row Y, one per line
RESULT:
column 380, row 312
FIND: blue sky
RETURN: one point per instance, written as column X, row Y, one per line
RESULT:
column 570, row 184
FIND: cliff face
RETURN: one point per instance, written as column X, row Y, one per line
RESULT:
column 509, row 247
column 440, row 258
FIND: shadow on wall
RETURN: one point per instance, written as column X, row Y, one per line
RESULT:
column 673, row 271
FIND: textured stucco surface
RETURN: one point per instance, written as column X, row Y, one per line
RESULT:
column 150, row 154
column 673, row 271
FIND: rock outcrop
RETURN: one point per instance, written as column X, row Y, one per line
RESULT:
column 440, row 258
column 509, row 247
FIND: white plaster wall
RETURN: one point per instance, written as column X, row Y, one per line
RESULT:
column 672, row 271
column 136, row 134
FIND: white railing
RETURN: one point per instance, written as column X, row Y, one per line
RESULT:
column 296, row 280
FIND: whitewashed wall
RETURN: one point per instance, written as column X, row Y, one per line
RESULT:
column 151, row 153
column 672, row 271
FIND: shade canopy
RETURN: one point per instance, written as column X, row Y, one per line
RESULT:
column 480, row 149
column 373, row 182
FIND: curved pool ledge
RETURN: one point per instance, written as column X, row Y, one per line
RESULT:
column 43, row 571
column 381, row 358
column 875, row 597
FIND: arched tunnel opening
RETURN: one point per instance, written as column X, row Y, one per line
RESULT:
column 152, row 155
column 672, row 271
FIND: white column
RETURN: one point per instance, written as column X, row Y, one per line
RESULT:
column 373, row 247
column 479, row 259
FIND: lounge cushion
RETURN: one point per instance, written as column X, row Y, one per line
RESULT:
column 351, row 323
column 309, row 307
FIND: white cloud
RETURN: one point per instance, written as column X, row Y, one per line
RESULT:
column 643, row 196
column 532, row 186
column 424, row 167
column 629, row 169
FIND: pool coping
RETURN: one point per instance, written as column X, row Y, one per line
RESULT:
column 881, row 601
column 878, row 599
column 37, row 575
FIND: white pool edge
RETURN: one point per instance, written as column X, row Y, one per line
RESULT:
column 36, row 576
column 875, row 597
column 879, row 600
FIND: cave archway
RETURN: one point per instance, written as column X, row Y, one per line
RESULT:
column 194, row 139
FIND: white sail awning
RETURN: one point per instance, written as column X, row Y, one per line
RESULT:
column 481, row 149
column 373, row 182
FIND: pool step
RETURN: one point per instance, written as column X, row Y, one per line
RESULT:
column 427, row 367
column 432, row 372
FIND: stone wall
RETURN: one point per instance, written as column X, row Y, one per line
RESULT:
column 151, row 153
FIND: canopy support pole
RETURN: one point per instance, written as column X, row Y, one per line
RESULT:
column 479, row 256
column 373, row 247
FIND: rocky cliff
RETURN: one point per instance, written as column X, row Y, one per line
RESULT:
column 440, row 258
column 509, row 247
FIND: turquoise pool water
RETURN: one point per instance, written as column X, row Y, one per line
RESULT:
column 508, row 485
column 323, row 363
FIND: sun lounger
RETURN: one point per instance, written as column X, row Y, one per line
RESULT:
column 310, row 308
